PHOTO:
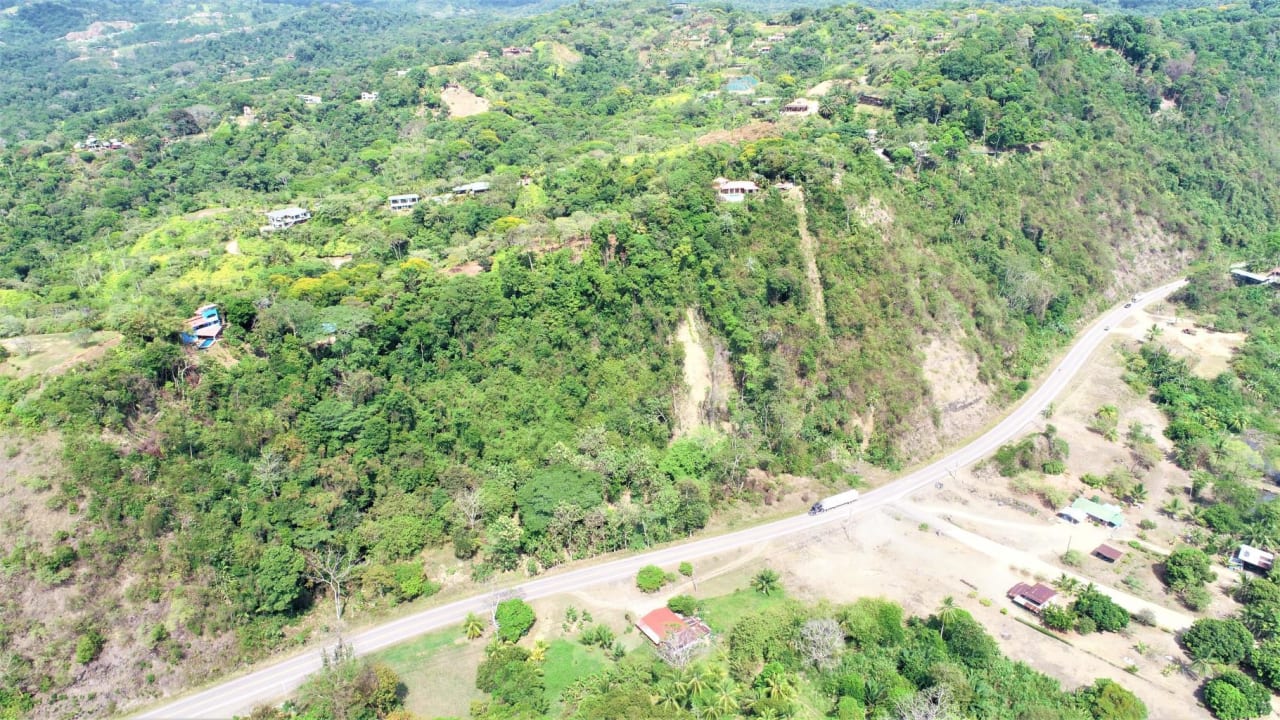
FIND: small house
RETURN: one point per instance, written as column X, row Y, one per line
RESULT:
column 310, row 99
column 287, row 217
column 471, row 188
column 516, row 51
column 872, row 100
column 677, row 631
column 369, row 97
column 202, row 329
column 1255, row 559
column 800, row 107
column 777, row 37
column 1102, row 513
column 402, row 202
column 764, row 50
column 1107, row 553
column 248, row 112
column 1032, row 597
column 734, row 190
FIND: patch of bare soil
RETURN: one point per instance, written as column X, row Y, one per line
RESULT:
column 690, row 407
column 98, row 30
column 960, row 398
column 1144, row 250
column 875, row 213
column 233, row 247
column 29, row 469
column 337, row 261
column 462, row 102
column 53, row 354
column 808, row 248
column 563, row 54
column 747, row 133
column 470, row 269
column 1208, row 352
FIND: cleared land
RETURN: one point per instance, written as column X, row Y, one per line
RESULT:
column 463, row 103
column 55, row 353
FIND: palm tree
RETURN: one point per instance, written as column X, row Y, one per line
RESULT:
column 1067, row 585
column 765, row 582
column 778, row 686
column 695, row 683
column 724, row 698
column 473, row 626
column 1154, row 332
column 668, row 697
column 538, row 653
column 947, row 612
column 1138, row 494
column 1175, row 508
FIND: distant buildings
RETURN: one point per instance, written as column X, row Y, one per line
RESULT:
column 1032, row 597
column 734, row 190
column 93, row 143
column 402, row 202
column 516, row 51
column 202, row 329
column 287, row 217
column 471, row 188
column 800, row 107
column 744, row 85
column 369, row 97
column 310, row 99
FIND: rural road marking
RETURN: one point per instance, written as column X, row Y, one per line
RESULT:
column 240, row 695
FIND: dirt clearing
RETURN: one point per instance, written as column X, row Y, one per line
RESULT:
column 1208, row 353
column 697, row 376
column 462, row 102
column 808, row 248
column 54, row 354
column 746, row 133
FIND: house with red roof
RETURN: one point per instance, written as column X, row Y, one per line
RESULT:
column 662, row 626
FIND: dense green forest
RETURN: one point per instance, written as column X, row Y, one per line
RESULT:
column 492, row 378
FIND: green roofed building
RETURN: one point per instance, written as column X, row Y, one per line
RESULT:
column 1105, row 513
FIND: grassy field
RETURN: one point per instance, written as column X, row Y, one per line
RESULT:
column 439, row 669
column 723, row 612
column 566, row 662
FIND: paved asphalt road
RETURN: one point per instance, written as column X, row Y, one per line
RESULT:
column 274, row 682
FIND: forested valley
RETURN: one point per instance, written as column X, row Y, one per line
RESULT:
column 489, row 381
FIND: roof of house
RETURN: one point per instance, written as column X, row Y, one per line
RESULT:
column 659, row 624
column 393, row 198
column 286, row 212
column 1105, row 512
column 746, row 83
column 472, row 187
column 1256, row 557
column 1038, row 594
column 1106, row 551
column 746, row 185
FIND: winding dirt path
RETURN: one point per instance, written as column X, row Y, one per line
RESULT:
column 818, row 304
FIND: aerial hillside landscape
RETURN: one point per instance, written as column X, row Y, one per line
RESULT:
column 317, row 315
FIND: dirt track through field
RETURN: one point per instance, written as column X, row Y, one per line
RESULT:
column 817, row 304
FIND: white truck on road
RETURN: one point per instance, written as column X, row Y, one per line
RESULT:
column 833, row 502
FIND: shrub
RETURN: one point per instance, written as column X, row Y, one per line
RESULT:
column 1056, row 617
column 1100, row 608
column 1107, row 700
column 1147, row 524
column 683, row 604
column 1145, row 616
column 514, row 618
column 1054, row 467
column 1085, row 625
column 1196, row 598
column 686, row 569
column 1073, row 558
column 650, row 579
column 1187, row 567
column 89, row 646
column 1234, row 696
column 1222, row 641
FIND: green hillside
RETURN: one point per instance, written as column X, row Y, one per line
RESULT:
column 493, row 376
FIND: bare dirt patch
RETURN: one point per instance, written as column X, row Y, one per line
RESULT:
column 747, row 133
column 53, row 354
column 29, row 469
column 1208, row 352
column 98, row 30
column 690, row 413
column 562, row 54
column 808, row 248
column 462, row 102
column 960, row 398
column 875, row 213
column 337, row 261
column 470, row 269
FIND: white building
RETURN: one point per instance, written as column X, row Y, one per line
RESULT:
column 287, row 217
column 402, row 202
column 734, row 190
column 369, row 96
column 471, row 188
column 310, row 99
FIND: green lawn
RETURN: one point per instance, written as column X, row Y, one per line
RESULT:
column 439, row 671
column 724, row 611
column 566, row 662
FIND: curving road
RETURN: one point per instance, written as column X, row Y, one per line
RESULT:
column 274, row 682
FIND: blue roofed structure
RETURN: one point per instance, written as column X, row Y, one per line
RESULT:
column 744, row 85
